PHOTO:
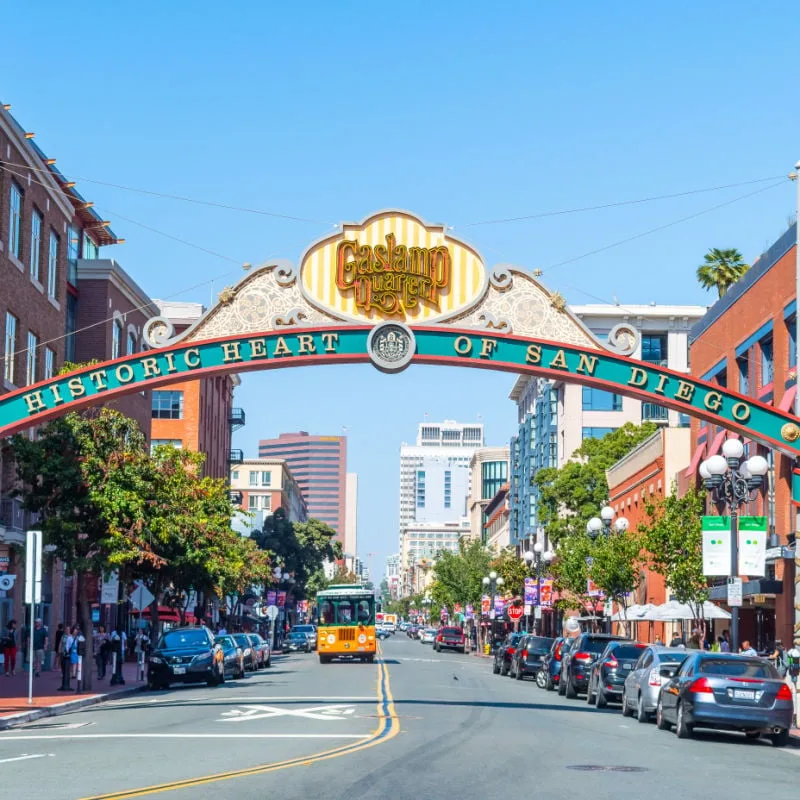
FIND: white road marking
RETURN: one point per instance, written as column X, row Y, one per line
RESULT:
column 26, row 757
column 51, row 737
column 266, row 712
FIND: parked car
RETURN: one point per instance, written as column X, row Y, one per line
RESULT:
column 261, row 649
column 297, row 642
column 549, row 675
column 186, row 655
column 309, row 630
column 529, row 656
column 607, row 678
column 577, row 661
column 726, row 692
column 428, row 636
column 504, row 652
column 642, row 686
column 243, row 640
column 232, row 656
column 450, row 639
column 382, row 633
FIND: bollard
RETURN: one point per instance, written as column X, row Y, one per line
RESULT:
column 65, row 677
column 140, row 676
column 79, row 676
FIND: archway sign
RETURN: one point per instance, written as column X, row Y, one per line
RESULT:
column 394, row 290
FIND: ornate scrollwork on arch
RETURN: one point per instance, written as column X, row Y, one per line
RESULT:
column 624, row 339
column 159, row 332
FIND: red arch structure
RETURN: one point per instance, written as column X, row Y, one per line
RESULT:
column 427, row 344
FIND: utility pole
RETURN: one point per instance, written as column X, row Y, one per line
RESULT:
column 795, row 176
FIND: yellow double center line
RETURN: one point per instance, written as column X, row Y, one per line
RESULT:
column 388, row 727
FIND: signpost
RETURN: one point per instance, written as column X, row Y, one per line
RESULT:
column 515, row 613
column 272, row 615
column 33, row 593
column 734, row 591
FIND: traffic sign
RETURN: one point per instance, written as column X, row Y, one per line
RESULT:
column 515, row 613
column 272, row 612
column 734, row 591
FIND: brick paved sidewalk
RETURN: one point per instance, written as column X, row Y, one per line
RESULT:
column 48, row 700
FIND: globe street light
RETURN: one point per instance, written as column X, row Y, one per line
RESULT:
column 733, row 484
column 604, row 523
column 536, row 557
column 492, row 581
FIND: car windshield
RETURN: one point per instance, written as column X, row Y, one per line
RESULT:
column 242, row 639
column 226, row 642
column 178, row 639
column 539, row 643
column 513, row 639
column 452, row 631
column 628, row 652
column 299, row 636
column 736, row 668
column 254, row 638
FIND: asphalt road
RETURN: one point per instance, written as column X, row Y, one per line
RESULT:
column 420, row 725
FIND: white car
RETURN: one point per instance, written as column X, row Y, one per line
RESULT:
column 428, row 636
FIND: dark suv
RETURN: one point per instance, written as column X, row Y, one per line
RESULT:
column 504, row 652
column 577, row 661
column 530, row 656
column 607, row 678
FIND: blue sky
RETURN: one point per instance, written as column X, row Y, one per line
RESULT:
column 462, row 112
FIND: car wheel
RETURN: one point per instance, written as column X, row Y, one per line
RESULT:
column 562, row 686
column 495, row 668
column 601, row 701
column 683, row 730
column 240, row 673
column 221, row 676
column 641, row 713
column 753, row 734
column 781, row 738
column 542, row 680
column 520, row 673
column 570, row 691
column 626, row 711
column 661, row 723
column 590, row 695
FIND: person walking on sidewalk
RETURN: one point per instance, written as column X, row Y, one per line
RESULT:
column 101, row 640
column 10, row 648
column 40, row 641
column 57, row 647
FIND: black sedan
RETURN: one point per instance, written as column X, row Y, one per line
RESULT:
column 607, row 678
column 248, row 651
column 232, row 656
column 529, row 656
column 296, row 642
column 186, row 655
column 726, row 692
column 504, row 652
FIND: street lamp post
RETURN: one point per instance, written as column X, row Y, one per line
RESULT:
column 536, row 557
column 426, row 601
column 603, row 525
column 732, row 484
column 493, row 582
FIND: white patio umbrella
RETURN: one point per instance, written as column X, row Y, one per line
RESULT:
column 678, row 611
column 635, row 613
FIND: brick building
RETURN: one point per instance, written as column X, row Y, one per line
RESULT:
column 646, row 474
column 112, row 310
column 747, row 342
column 319, row 463
column 197, row 415
column 46, row 227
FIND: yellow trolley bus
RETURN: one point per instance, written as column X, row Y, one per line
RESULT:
column 346, row 623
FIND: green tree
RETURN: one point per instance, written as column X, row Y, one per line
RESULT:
column 458, row 576
column 673, row 541
column 570, row 571
column 573, row 494
column 721, row 269
column 512, row 569
column 616, row 566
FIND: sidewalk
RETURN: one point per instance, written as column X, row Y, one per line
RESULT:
column 48, row 701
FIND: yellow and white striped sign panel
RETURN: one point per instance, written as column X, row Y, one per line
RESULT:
column 392, row 266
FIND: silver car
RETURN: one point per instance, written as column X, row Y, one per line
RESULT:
column 642, row 686
column 428, row 636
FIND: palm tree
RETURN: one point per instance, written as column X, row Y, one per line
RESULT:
column 722, row 268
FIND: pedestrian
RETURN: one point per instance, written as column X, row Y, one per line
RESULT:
column 75, row 634
column 695, row 642
column 725, row 644
column 747, row 649
column 59, row 635
column 101, row 651
column 658, row 642
column 10, row 648
column 41, row 638
column 779, row 658
column 676, row 640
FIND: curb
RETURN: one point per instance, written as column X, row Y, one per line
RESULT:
column 12, row 720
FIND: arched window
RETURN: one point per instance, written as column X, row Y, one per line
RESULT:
column 116, row 339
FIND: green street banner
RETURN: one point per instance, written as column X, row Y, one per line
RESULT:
column 716, row 545
column 752, row 546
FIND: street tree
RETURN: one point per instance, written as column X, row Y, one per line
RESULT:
column 616, row 567
column 570, row 571
column 512, row 569
column 721, row 269
column 458, row 576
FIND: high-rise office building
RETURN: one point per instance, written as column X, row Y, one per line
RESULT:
column 319, row 464
column 350, row 543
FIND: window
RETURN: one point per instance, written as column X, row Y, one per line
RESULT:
column 252, row 501
column 598, row 400
column 10, row 350
column 767, row 361
column 131, row 348
column 30, row 358
column 90, row 249
column 266, row 478
column 722, row 378
column 235, row 475
column 254, row 479
column 176, row 443
column 167, row 405
column 552, row 455
column 73, row 254
column 49, row 363
column 791, row 329
column 421, row 488
column 654, row 349
column 72, row 322
column 596, row 433
column 52, row 266
column 116, row 338
column 15, row 222
column 493, row 475
column 448, row 486
column 36, row 247
column 742, row 365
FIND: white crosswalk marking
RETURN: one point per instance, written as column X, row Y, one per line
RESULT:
column 332, row 712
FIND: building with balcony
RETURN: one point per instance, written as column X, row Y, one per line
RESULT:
column 489, row 470
column 747, row 342
column 265, row 485
column 554, row 417
column 497, row 528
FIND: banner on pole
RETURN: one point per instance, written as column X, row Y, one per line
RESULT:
column 546, row 592
column 485, row 605
column 716, row 545
column 752, row 546
column 530, row 591
column 109, row 594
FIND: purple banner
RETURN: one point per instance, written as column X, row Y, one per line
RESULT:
column 499, row 606
column 271, row 597
column 531, row 591
column 281, row 599
column 470, row 612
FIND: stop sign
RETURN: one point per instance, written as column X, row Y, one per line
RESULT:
column 515, row 613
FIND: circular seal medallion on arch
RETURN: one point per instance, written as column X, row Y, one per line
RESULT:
column 391, row 346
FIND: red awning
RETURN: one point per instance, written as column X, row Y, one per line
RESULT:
column 787, row 401
column 693, row 464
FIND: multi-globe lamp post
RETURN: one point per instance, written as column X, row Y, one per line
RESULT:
column 604, row 525
column 732, row 484
column 536, row 557
column 492, row 582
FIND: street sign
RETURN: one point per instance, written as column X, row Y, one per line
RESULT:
column 33, row 567
column 734, row 591
column 515, row 613
column 537, row 612
column 141, row 596
column 272, row 612
column 109, row 594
